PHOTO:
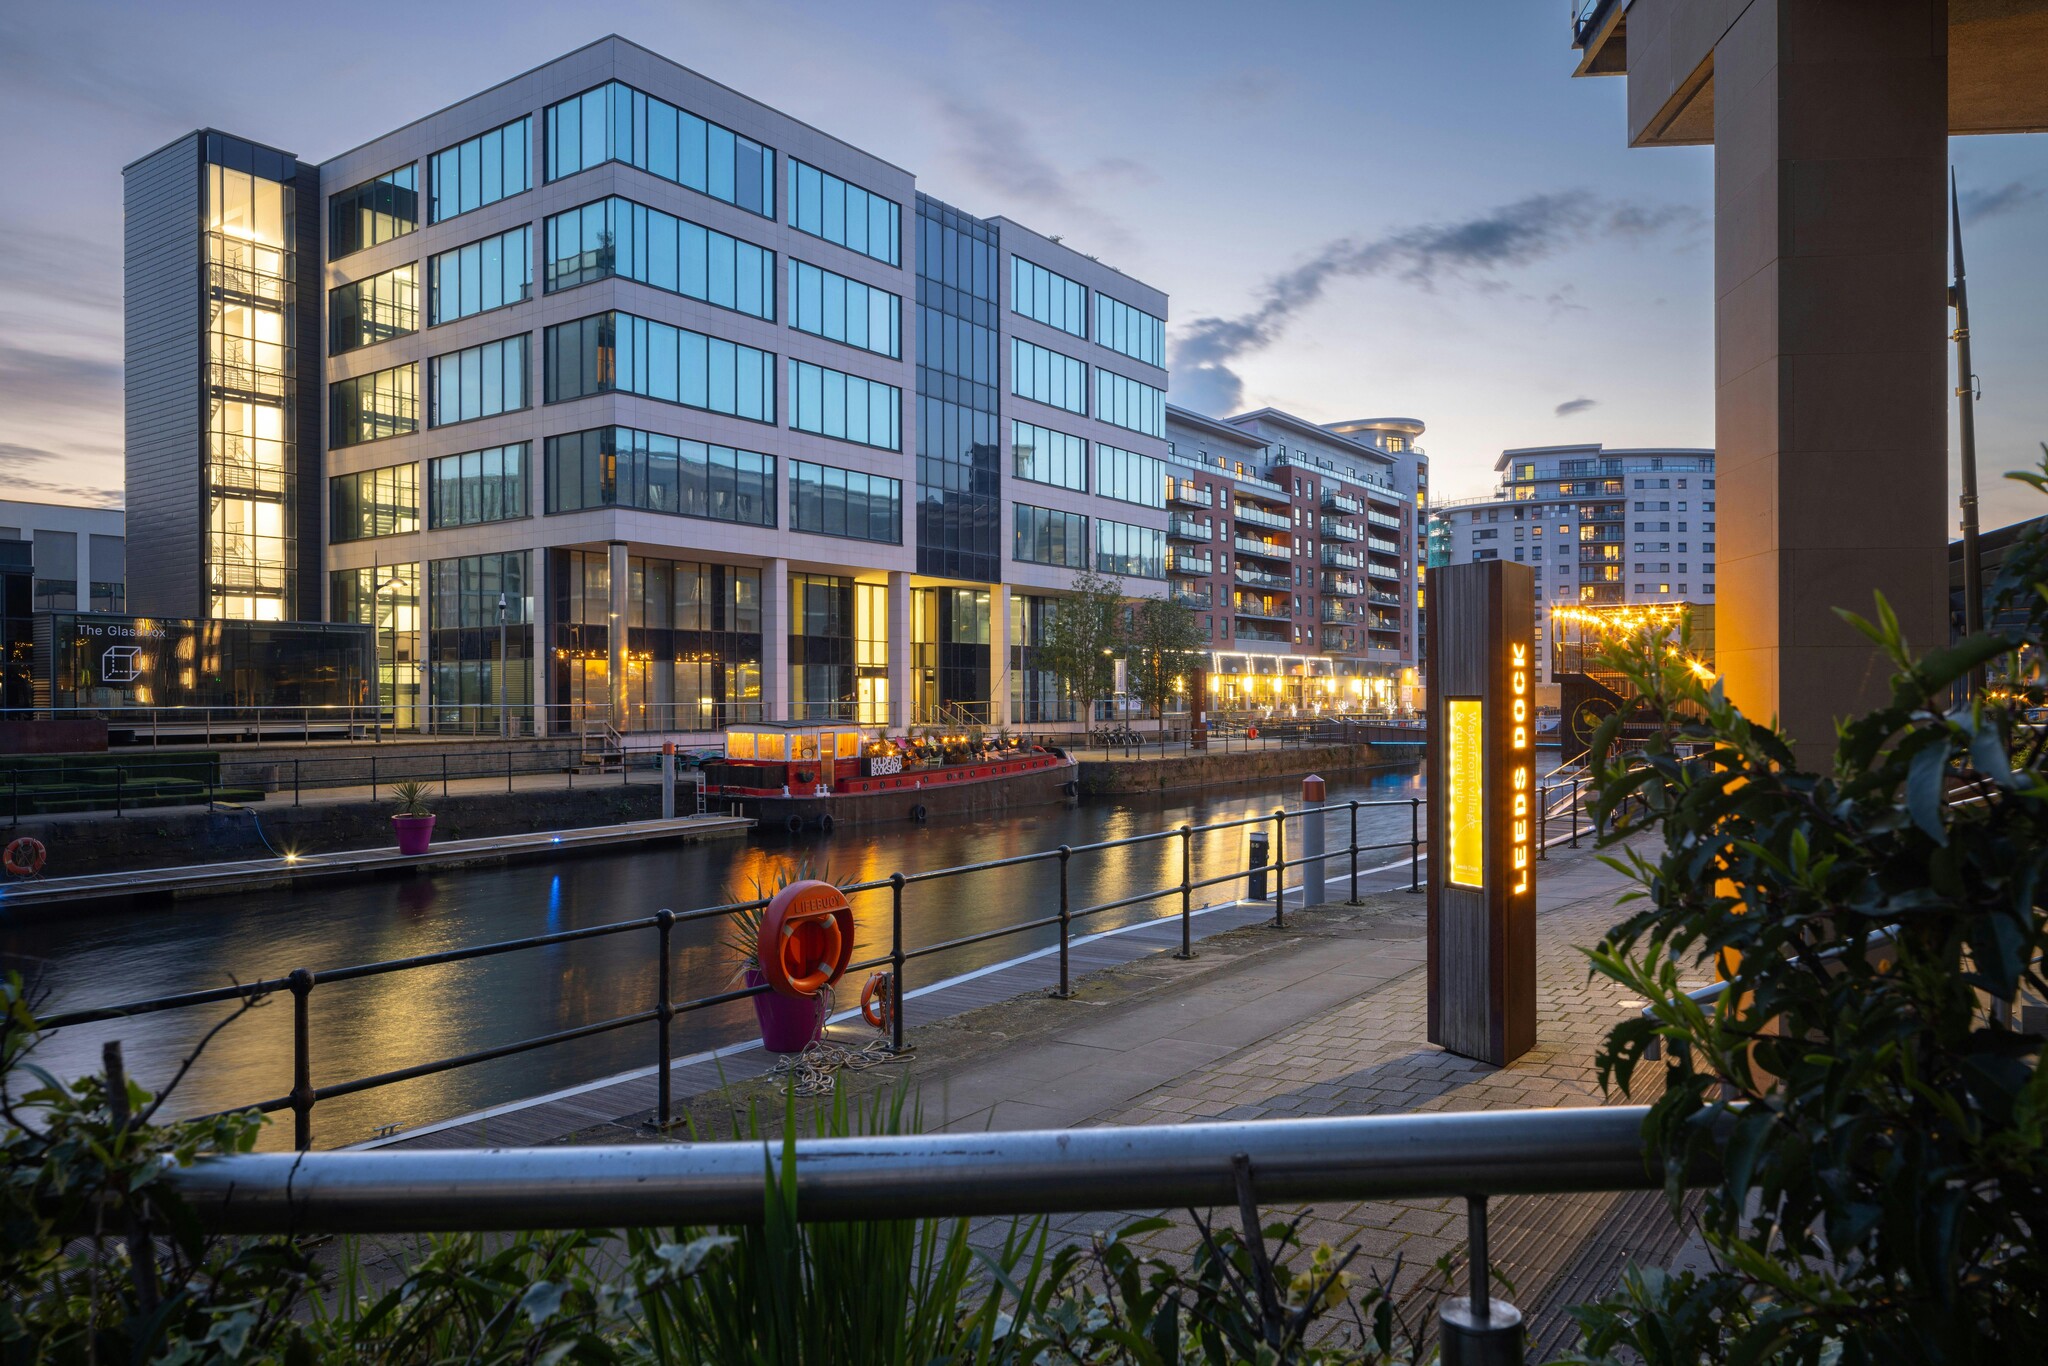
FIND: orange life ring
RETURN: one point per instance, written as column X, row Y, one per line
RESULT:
column 878, row 1000
column 37, row 857
column 806, row 938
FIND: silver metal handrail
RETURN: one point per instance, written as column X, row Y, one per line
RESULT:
column 1480, row 1153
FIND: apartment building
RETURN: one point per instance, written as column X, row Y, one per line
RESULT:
column 610, row 392
column 77, row 555
column 1297, row 547
column 1599, row 527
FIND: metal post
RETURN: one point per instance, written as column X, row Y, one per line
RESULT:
column 1066, row 918
column 896, row 960
column 444, row 774
column 1415, row 844
column 1966, row 427
column 1279, row 867
column 664, row 923
column 373, row 777
column 295, row 782
column 1479, row 1330
column 1575, row 813
column 120, row 775
column 1187, row 891
column 1354, row 851
column 302, row 1060
column 504, row 671
column 668, row 780
column 508, row 772
column 1542, row 823
column 1315, row 881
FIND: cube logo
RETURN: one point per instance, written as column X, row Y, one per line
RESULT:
column 121, row 664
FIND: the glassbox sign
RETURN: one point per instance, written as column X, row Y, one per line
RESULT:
column 117, row 652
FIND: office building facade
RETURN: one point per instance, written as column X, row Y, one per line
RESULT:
column 1600, row 528
column 610, row 394
column 1297, row 546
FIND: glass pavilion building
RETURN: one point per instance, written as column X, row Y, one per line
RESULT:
column 619, row 396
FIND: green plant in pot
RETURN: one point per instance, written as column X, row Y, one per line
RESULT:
column 412, row 823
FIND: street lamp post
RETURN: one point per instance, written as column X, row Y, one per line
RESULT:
column 1966, row 394
column 504, row 715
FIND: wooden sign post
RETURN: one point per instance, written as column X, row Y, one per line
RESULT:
column 1482, row 810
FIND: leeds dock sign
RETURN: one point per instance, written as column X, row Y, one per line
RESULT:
column 1483, row 810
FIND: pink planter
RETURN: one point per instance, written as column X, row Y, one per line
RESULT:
column 788, row 1023
column 414, row 833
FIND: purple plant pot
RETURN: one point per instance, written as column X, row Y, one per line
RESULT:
column 788, row 1023
column 414, row 833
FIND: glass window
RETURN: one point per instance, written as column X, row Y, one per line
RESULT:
column 374, row 211
column 1135, row 551
column 1132, row 331
column 381, row 502
column 1048, row 296
column 618, row 123
column 823, row 205
column 1130, row 477
column 625, row 467
column 374, row 406
column 621, row 353
column 835, row 502
column 1049, row 377
column 485, row 169
column 481, row 276
column 1126, row 403
column 842, row 310
column 477, row 486
column 1047, row 536
column 478, row 381
column 376, row 309
column 832, row 403
column 1045, row 456
column 617, row 237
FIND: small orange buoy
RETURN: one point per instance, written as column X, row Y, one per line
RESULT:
column 878, row 1000
column 25, row 857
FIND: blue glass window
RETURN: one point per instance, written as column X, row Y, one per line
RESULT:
column 478, row 381
column 832, row 403
column 1130, row 477
column 1045, row 456
column 365, row 312
column 1134, row 551
column 618, row 352
column 481, row 276
column 830, row 305
column 374, row 211
column 619, row 237
column 1126, row 403
column 831, row 501
column 381, row 502
column 626, row 467
column 374, row 406
column 1048, row 296
column 840, row 211
column 1049, row 377
column 485, row 169
column 477, row 486
column 615, row 122
column 1132, row 331
column 1048, row 536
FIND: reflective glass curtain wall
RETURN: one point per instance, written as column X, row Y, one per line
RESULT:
column 693, row 641
column 462, row 641
column 386, row 598
column 959, row 448
column 251, row 273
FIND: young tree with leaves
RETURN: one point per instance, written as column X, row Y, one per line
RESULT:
column 1163, row 649
column 1082, row 632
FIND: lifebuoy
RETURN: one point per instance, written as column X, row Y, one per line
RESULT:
column 878, row 1000
column 806, row 938
column 25, row 857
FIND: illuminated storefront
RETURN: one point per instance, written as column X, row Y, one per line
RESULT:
column 1243, row 684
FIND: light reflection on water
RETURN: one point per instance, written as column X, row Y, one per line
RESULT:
column 383, row 1023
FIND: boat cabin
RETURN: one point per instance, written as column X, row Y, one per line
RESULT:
column 803, row 755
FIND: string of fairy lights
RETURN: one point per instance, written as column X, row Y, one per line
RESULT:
column 1633, row 619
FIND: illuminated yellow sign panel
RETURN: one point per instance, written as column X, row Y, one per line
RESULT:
column 1521, row 770
column 1464, row 748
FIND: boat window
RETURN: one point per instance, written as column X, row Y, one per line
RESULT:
column 771, row 747
column 849, row 744
column 803, row 747
column 739, row 744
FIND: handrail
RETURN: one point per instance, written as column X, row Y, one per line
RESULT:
column 1472, row 1153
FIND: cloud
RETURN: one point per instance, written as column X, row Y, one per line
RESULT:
column 993, row 148
column 32, row 379
column 1981, row 204
column 1474, row 251
column 1575, row 405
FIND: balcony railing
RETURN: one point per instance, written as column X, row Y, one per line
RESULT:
column 1379, row 545
column 1380, row 623
column 1384, row 599
column 1338, row 558
column 1269, row 611
column 1188, row 529
column 1334, row 530
column 1259, row 578
column 1382, row 571
column 1180, row 562
column 1342, row 612
column 1268, row 489
column 1344, row 584
column 1270, row 549
column 1390, row 497
column 1189, row 494
column 1268, row 634
column 1188, row 597
column 1342, row 504
column 1260, row 517
column 1382, row 519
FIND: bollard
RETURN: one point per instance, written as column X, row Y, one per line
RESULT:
column 668, row 780
column 1314, row 886
column 1255, row 880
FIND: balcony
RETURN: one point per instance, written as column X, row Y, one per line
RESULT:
column 1272, row 550
column 1343, row 504
column 1261, row 517
column 1188, row 597
column 1271, row 635
column 1391, row 625
column 1391, row 497
column 1344, row 584
column 1382, row 571
column 1187, row 493
column 1384, row 599
column 1188, row 529
column 1379, row 545
column 1181, row 562
column 1265, row 489
column 1336, row 557
column 1258, row 578
column 1343, row 613
column 1266, row 611
column 1334, row 530
column 1382, row 519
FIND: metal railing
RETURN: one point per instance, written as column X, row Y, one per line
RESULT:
column 659, row 1016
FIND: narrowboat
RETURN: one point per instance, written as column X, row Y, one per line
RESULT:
column 814, row 775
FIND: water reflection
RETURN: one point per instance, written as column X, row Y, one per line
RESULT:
column 385, row 1023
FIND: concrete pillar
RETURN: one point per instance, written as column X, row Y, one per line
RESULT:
column 775, row 622
column 899, row 650
column 615, row 633
column 999, row 608
column 1830, row 165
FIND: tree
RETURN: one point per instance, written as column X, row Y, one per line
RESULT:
column 1078, row 642
column 1163, row 649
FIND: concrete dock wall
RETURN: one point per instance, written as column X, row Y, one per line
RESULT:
column 1223, row 769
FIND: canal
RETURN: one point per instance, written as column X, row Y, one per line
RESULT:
column 85, row 958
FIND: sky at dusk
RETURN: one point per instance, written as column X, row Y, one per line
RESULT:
column 1358, row 208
